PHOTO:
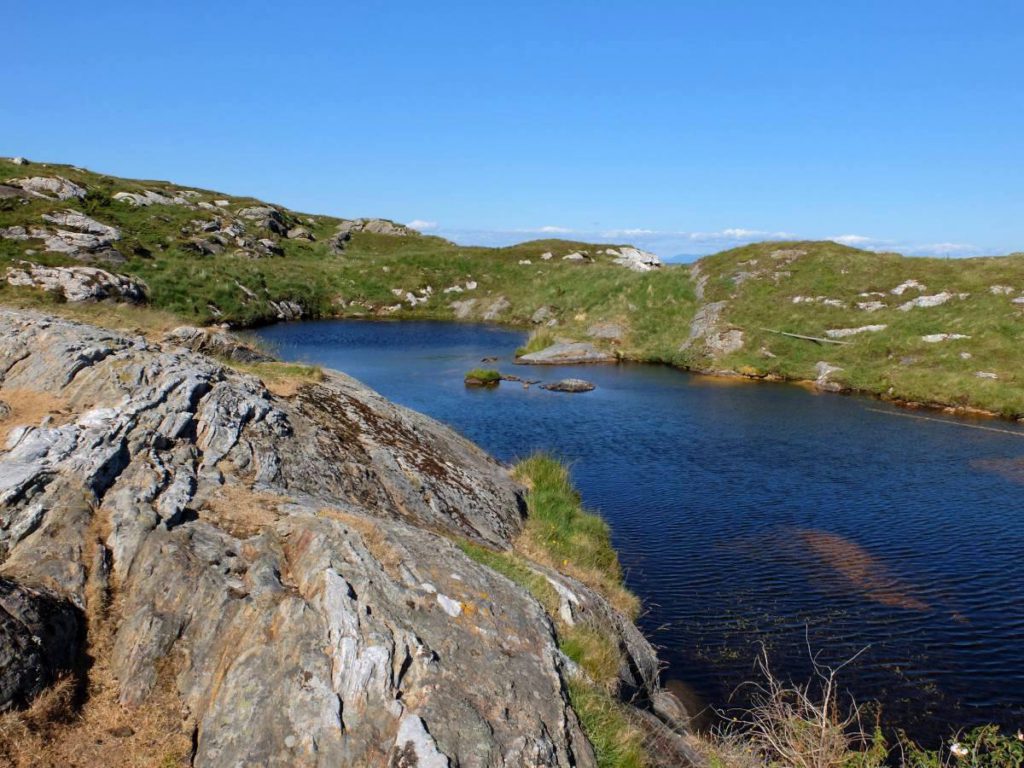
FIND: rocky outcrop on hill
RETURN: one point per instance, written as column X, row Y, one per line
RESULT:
column 709, row 334
column 77, row 235
column 53, row 187
column 78, row 283
column 149, row 197
column 634, row 259
column 284, row 569
column 350, row 227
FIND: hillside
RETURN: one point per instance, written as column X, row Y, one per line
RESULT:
column 939, row 332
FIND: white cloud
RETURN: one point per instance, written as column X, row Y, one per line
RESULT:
column 850, row 239
column 736, row 234
column 629, row 232
column 554, row 230
column 422, row 225
column 945, row 249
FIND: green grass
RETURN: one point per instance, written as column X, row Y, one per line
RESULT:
column 483, row 376
column 562, row 534
column 617, row 742
column 539, row 338
column 895, row 362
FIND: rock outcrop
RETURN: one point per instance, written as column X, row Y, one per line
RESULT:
column 216, row 343
column 634, row 259
column 567, row 353
column 708, row 333
column 53, row 187
column 286, row 568
column 149, row 197
column 350, row 227
column 78, row 283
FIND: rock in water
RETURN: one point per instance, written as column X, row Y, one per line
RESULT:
column 569, row 385
column 291, row 562
column 567, row 353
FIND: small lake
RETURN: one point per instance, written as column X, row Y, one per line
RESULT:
column 750, row 513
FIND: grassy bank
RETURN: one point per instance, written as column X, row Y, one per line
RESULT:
column 560, row 534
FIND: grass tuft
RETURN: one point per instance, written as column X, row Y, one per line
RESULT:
column 483, row 376
column 540, row 338
column 560, row 533
column 617, row 741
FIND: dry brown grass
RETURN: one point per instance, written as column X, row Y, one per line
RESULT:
column 282, row 379
column 79, row 722
column 796, row 725
column 241, row 511
column 145, row 321
column 372, row 537
column 29, row 408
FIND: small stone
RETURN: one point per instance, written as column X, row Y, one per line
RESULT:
column 122, row 731
column 452, row 607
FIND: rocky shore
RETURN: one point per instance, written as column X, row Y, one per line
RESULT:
column 280, row 575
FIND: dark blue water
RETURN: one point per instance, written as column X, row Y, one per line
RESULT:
column 757, row 513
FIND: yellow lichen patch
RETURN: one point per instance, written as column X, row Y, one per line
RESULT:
column 28, row 408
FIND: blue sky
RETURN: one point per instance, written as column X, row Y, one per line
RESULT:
column 685, row 127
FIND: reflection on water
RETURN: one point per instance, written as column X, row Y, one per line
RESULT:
column 757, row 513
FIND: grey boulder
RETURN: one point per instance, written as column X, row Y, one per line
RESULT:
column 569, row 385
column 567, row 353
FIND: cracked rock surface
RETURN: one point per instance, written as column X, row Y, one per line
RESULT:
column 291, row 560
